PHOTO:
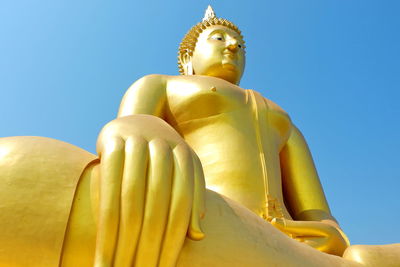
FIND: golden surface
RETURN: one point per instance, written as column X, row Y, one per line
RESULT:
column 143, row 201
column 38, row 181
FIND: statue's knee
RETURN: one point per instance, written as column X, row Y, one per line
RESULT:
column 354, row 253
column 374, row 255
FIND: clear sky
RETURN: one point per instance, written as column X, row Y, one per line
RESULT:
column 333, row 65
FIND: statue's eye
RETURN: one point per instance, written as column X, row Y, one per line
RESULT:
column 240, row 46
column 218, row 37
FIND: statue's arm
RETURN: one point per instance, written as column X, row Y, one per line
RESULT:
column 302, row 187
column 313, row 222
column 151, row 190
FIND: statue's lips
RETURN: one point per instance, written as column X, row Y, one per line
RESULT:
column 230, row 55
column 230, row 60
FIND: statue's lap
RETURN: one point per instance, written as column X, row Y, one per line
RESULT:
column 234, row 237
column 47, row 172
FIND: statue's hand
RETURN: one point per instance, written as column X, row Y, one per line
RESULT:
column 321, row 235
column 151, row 193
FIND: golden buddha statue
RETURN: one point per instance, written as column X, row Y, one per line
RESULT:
column 142, row 201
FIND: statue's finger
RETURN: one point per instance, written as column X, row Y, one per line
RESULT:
column 300, row 228
column 198, row 209
column 181, row 206
column 133, row 192
column 111, row 169
column 200, row 186
column 158, row 195
column 316, row 242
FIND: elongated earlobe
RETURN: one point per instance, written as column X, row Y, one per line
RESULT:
column 186, row 61
column 189, row 68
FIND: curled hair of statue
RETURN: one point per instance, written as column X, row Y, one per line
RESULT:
column 188, row 43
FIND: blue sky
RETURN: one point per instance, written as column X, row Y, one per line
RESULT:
column 332, row 65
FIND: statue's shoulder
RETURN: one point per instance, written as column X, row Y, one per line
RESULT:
column 152, row 78
column 280, row 119
column 157, row 80
column 151, row 86
column 275, row 107
column 148, row 84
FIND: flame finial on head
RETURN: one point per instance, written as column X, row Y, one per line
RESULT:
column 210, row 14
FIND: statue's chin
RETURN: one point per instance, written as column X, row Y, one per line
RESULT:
column 229, row 67
column 227, row 71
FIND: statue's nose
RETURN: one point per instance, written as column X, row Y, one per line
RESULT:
column 232, row 45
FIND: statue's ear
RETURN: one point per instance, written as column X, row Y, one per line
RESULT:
column 186, row 61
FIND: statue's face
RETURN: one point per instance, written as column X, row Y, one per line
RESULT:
column 219, row 53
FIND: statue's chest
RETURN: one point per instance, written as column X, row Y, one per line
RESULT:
column 203, row 98
column 196, row 99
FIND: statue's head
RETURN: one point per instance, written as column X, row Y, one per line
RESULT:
column 213, row 47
